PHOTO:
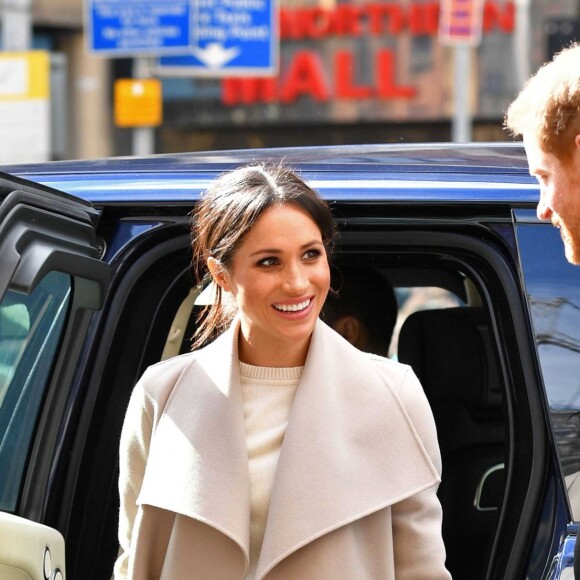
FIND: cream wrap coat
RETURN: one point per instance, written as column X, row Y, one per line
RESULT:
column 354, row 497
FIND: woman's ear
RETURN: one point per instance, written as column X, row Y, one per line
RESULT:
column 218, row 273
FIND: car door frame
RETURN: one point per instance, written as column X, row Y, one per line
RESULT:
column 515, row 342
column 44, row 230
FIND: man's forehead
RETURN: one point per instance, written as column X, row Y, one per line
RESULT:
column 537, row 159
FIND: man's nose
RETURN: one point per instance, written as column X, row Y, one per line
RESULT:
column 543, row 211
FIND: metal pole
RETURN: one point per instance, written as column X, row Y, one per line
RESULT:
column 16, row 25
column 461, row 127
column 143, row 137
column 521, row 38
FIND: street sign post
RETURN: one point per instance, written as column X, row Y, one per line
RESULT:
column 229, row 38
column 138, row 27
column 460, row 22
column 460, row 25
column 211, row 38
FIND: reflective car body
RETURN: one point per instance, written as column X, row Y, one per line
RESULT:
column 95, row 285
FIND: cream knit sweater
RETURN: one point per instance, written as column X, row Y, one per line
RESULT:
column 267, row 393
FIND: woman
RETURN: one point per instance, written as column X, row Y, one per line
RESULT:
column 278, row 451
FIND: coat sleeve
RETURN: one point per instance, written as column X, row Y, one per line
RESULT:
column 134, row 449
column 418, row 544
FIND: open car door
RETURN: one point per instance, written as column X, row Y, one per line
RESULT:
column 51, row 282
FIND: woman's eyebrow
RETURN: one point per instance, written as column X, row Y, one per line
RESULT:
column 279, row 251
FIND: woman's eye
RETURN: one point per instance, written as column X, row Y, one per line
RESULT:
column 312, row 254
column 268, row 262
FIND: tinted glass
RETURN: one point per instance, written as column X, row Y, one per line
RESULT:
column 30, row 331
column 421, row 298
column 553, row 288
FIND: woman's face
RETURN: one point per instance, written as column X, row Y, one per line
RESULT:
column 279, row 278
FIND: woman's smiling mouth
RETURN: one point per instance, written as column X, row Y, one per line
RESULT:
column 293, row 307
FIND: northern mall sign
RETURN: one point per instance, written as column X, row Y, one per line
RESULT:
column 380, row 18
column 306, row 76
column 328, row 72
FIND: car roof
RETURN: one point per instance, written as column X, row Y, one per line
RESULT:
column 440, row 172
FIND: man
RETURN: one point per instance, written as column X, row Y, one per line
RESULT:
column 547, row 115
column 364, row 308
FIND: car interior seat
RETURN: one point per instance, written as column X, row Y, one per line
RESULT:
column 452, row 353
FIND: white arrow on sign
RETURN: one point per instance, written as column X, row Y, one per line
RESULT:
column 214, row 55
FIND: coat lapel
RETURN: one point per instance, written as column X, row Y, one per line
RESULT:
column 198, row 461
column 349, row 450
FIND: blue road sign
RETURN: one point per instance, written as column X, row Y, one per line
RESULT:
column 138, row 27
column 229, row 38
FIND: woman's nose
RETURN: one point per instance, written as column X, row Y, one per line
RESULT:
column 296, row 280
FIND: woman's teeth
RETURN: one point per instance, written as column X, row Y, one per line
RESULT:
column 292, row 307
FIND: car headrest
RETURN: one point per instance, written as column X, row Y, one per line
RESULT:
column 452, row 353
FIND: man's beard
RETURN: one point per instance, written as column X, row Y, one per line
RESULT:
column 571, row 245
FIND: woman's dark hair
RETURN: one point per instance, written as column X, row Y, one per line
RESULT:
column 227, row 211
column 363, row 292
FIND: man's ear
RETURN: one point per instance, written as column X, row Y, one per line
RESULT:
column 577, row 140
column 218, row 273
column 348, row 327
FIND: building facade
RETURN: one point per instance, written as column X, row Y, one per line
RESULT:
column 350, row 71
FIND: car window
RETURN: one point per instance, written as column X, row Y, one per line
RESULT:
column 30, row 331
column 420, row 298
column 553, row 288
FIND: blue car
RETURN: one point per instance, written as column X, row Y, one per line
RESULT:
column 96, row 284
